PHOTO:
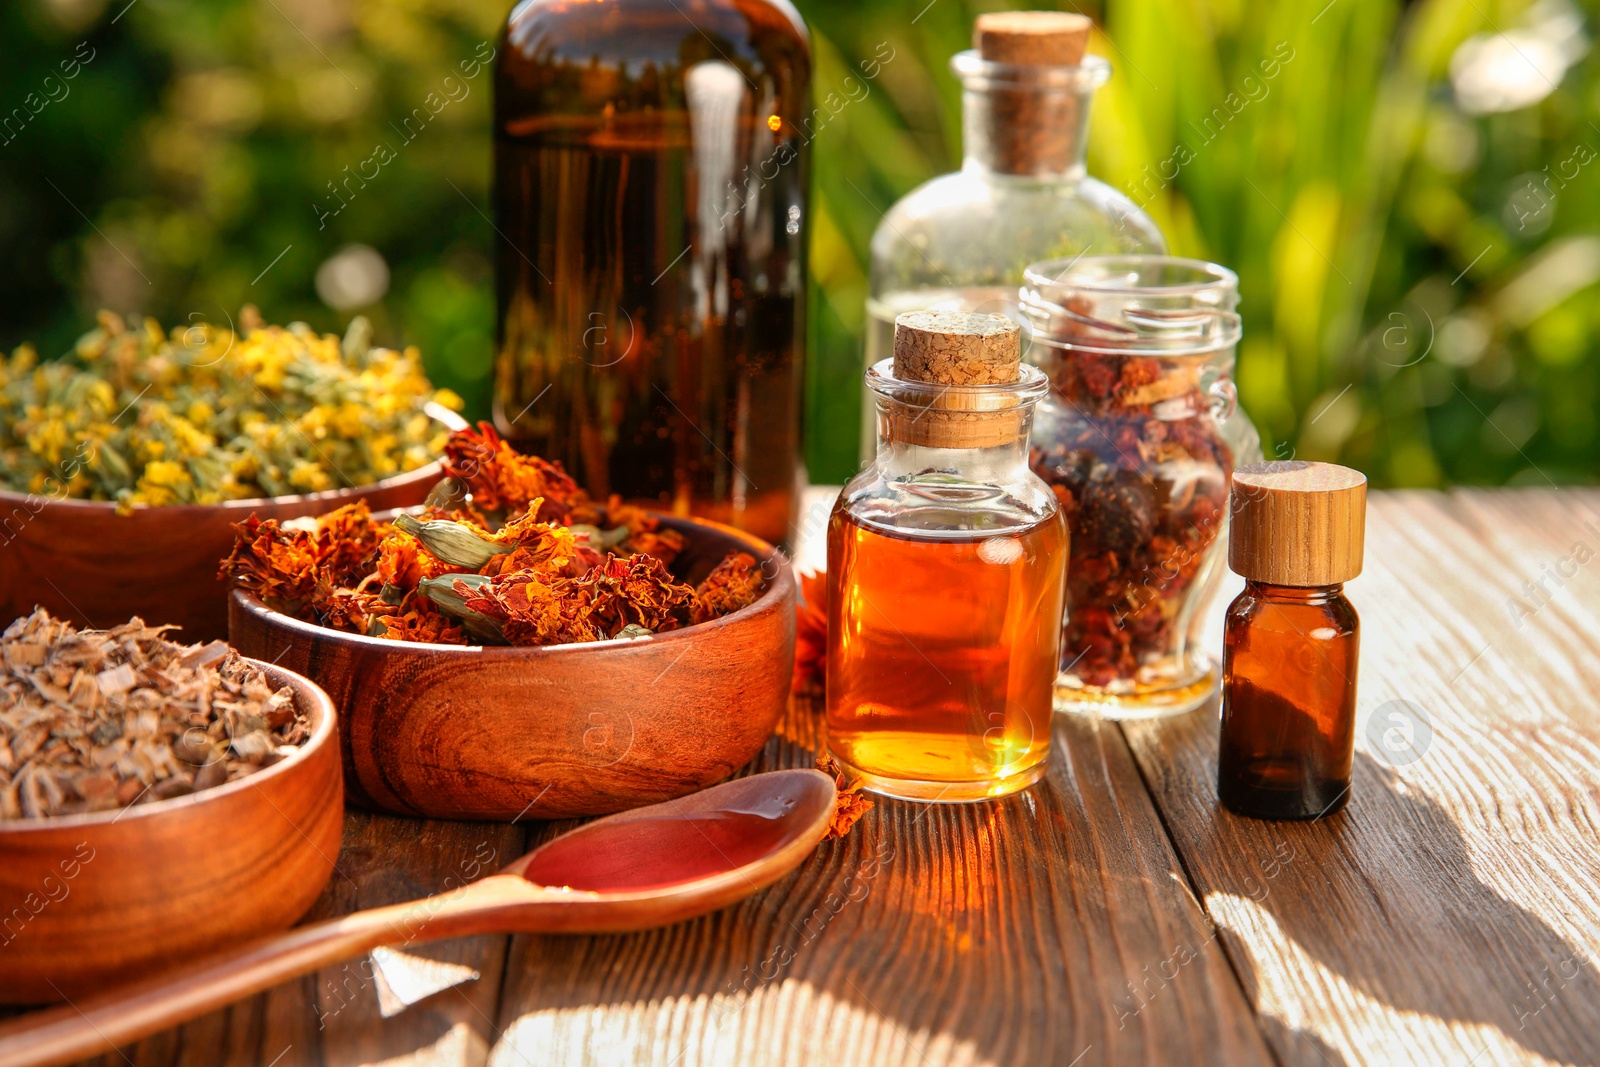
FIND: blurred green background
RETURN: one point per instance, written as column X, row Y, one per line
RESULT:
column 1411, row 203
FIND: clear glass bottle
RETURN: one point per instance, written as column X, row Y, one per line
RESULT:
column 1137, row 439
column 650, row 206
column 960, row 242
column 946, row 561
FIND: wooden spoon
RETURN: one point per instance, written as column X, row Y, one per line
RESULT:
column 638, row 869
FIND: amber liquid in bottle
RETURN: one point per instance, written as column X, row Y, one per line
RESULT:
column 1288, row 701
column 941, row 653
column 650, row 196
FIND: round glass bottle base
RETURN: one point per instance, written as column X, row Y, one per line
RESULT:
column 1071, row 697
column 943, row 792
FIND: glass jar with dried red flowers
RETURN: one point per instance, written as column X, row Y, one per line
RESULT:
column 1138, row 438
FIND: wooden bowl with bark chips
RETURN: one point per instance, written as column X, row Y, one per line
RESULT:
column 153, row 811
column 508, row 733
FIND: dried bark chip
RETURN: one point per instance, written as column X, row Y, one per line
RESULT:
column 95, row 720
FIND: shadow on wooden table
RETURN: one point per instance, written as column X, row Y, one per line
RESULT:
column 1385, row 897
column 1028, row 930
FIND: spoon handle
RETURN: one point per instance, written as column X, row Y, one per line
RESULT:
column 119, row 1016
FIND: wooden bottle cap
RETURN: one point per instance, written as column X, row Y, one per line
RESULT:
column 956, row 348
column 1297, row 523
column 1031, row 38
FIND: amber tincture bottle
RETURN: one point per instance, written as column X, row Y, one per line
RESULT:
column 1290, row 645
column 650, row 203
column 946, row 573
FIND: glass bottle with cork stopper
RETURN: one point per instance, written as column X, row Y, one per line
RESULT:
column 961, row 241
column 1291, row 640
column 946, row 573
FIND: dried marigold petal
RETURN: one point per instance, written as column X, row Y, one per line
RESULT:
column 403, row 562
column 732, row 584
column 630, row 589
column 423, row 622
column 538, row 546
column 277, row 565
column 501, row 479
column 850, row 805
column 296, row 566
column 530, row 610
column 811, row 633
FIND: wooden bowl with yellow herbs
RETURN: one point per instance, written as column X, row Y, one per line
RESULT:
column 125, row 464
column 556, row 658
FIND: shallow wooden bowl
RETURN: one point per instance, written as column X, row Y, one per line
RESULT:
column 84, row 562
column 90, row 900
column 458, row 732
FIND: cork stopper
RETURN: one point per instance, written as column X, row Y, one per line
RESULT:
column 954, row 349
column 1296, row 523
column 1026, row 120
column 1031, row 38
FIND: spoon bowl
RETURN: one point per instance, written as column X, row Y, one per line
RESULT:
column 631, row 871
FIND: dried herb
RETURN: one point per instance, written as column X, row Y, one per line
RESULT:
column 1141, row 474
column 207, row 413
column 811, row 634
column 94, row 720
column 303, row 561
column 502, row 481
column 466, row 571
column 851, row 804
column 732, row 584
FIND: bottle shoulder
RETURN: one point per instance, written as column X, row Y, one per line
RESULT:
column 566, row 55
column 1315, row 615
column 598, row 32
column 1021, row 500
column 973, row 228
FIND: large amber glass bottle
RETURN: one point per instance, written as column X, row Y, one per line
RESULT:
column 650, row 202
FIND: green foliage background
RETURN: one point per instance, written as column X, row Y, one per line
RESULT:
column 1412, row 305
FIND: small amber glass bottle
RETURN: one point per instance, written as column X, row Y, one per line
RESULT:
column 1291, row 641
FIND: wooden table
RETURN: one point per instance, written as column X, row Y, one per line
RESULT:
column 1111, row 914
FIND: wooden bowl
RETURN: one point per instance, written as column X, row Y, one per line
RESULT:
column 91, row 900
column 86, row 563
column 457, row 732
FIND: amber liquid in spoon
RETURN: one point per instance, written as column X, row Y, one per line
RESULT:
column 664, row 850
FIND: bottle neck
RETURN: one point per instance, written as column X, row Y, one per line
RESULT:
column 1040, row 133
column 1027, row 121
column 1295, row 594
column 1000, row 464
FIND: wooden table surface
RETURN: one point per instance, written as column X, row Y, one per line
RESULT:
column 1112, row 913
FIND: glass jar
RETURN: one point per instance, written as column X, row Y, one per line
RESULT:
column 960, row 242
column 650, row 207
column 1138, row 438
column 945, row 586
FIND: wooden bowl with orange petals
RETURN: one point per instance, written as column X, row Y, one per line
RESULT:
column 475, row 732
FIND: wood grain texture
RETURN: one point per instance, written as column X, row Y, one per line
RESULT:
column 1453, row 910
column 1406, row 930
column 1023, row 931
column 681, row 868
column 463, row 732
column 84, row 562
column 1296, row 523
column 332, row 1019
column 91, row 900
